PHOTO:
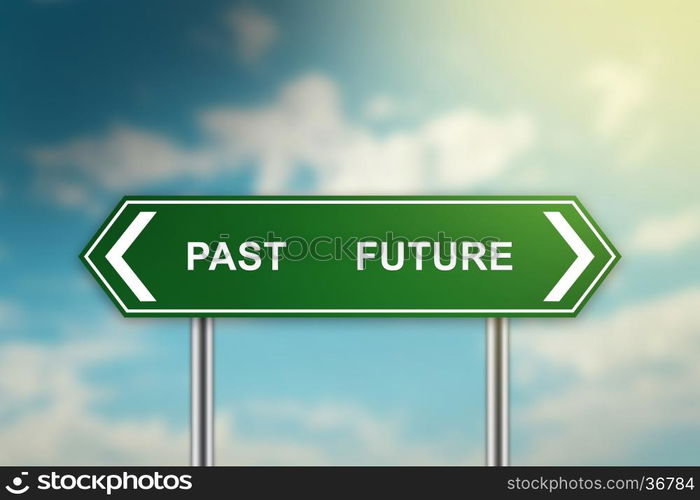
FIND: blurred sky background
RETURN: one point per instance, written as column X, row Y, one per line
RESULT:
column 99, row 99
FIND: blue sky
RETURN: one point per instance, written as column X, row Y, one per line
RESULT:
column 102, row 99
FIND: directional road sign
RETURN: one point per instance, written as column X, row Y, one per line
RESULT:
column 344, row 256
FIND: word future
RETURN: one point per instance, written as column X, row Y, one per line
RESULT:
column 469, row 252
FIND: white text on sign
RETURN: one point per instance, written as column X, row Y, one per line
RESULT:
column 249, row 251
column 469, row 252
column 462, row 256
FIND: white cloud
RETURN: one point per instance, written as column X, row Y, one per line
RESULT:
column 48, row 416
column 622, row 89
column 360, row 437
column 254, row 33
column 669, row 233
column 123, row 158
column 380, row 108
column 33, row 372
column 305, row 126
column 625, row 380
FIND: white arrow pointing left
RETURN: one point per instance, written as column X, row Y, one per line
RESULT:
column 115, row 256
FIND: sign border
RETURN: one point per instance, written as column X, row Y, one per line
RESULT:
column 349, row 200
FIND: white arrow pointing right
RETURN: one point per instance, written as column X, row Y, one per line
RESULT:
column 583, row 256
column 115, row 256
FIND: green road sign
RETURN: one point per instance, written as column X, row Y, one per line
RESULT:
column 345, row 256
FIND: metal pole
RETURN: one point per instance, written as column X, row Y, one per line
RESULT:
column 497, row 392
column 202, row 391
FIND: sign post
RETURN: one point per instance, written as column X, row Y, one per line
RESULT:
column 497, row 392
column 202, row 392
column 492, row 257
